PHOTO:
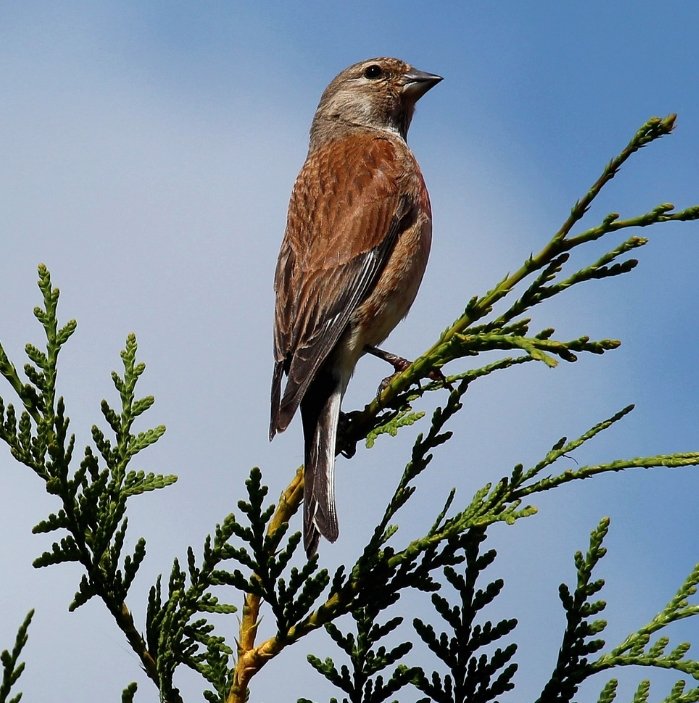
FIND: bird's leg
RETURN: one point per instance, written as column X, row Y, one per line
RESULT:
column 400, row 364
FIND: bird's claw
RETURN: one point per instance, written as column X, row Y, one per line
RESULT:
column 439, row 377
column 400, row 364
column 345, row 444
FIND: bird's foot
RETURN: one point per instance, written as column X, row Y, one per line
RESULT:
column 400, row 364
column 346, row 443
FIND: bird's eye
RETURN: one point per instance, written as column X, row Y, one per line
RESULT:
column 373, row 71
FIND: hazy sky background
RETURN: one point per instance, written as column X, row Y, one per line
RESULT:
column 147, row 152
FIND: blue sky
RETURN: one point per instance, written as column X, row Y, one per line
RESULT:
column 148, row 152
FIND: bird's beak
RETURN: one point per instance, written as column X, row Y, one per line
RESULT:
column 417, row 83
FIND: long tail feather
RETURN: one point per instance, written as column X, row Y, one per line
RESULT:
column 320, row 411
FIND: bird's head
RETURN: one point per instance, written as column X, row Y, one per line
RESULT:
column 378, row 93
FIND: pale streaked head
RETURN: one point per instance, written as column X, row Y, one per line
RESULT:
column 376, row 94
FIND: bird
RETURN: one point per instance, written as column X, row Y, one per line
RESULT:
column 355, row 248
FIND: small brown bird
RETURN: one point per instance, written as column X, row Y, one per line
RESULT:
column 356, row 245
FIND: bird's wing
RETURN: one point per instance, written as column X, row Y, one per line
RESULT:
column 347, row 209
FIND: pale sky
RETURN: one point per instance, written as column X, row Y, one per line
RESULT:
column 148, row 152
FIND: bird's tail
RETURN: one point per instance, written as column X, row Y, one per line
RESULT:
column 320, row 411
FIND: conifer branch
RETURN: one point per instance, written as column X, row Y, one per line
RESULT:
column 463, row 338
column 563, row 448
column 363, row 683
column 93, row 498
column 637, row 649
column 575, row 665
column 93, row 501
column 473, row 677
column 129, row 692
column 572, row 665
column 12, row 668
